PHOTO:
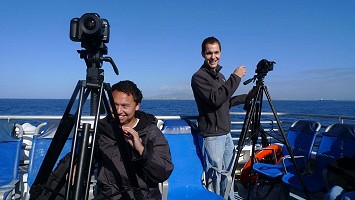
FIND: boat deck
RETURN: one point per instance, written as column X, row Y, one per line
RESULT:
column 256, row 192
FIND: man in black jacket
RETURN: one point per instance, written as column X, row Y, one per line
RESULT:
column 213, row 96
column 148, row 149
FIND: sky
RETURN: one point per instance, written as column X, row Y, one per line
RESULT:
column 157, row 44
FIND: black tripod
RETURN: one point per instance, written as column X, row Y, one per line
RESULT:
column 253, row 107
column 84, row 136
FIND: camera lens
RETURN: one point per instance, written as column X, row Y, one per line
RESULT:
column 90, row 23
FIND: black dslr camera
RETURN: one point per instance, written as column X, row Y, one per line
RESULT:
column 89, row 28
column 264, row 66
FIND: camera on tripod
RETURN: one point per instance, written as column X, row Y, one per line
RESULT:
column 264, row 66
column 89, row 28
column 93, row 32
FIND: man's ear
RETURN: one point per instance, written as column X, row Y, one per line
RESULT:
column 203, row 55
column 138, row 106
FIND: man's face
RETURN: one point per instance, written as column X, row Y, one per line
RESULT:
column 212, row 55
column 126, row 107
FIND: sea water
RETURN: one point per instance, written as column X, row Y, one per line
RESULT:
column 177, row 107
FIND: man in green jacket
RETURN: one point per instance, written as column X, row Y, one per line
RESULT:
column 213, row 96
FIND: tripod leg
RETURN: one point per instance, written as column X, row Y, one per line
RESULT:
column 253, row 117
column 242, row 138
column 96, row 108
column 286, row 141
column 83, row 171
column 62, row 133
column 97, row 118
column 246, row 126
column 255, row 133
column 84, row 93
column 85, row 160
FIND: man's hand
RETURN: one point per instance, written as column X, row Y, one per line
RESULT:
column 133, row 139
column 240, row 71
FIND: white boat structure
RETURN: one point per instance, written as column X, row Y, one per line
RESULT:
column 23, row 174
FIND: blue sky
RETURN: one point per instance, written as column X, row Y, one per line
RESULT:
column 157, row 44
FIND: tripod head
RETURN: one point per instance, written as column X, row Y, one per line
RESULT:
column 94, row 59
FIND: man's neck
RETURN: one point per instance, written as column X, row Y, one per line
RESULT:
column 133, row 123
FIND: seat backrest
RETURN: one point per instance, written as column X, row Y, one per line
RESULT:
column 10, row 153
column 40, row 145
column 337, row 141
column 301, row 137
column 185, row 156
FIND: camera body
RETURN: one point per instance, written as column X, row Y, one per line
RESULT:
column 264, row 66
column 90, row 28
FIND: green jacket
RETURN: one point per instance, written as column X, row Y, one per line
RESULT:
column 213, row 96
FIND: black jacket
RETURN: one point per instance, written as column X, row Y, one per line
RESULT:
column 213, row 96
column 153, row 167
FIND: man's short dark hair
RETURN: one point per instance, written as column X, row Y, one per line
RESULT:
column 129, row 87
column 210, row 40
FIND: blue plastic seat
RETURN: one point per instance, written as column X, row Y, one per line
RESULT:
column 337, row 141
column 185, row 181
column 10, row 153
column 40, row 145
column 300, row 136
